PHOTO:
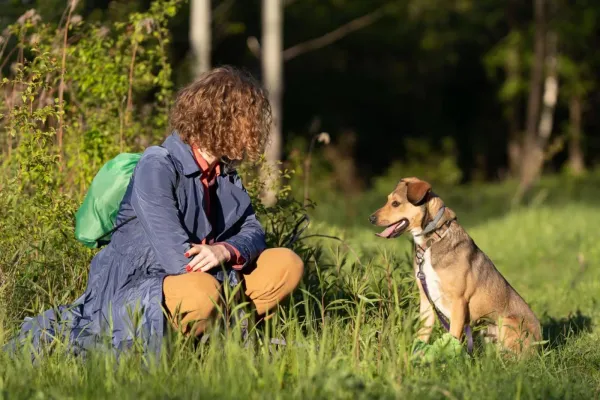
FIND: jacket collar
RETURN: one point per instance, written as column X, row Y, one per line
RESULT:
column 207, row 172
column 183, row 153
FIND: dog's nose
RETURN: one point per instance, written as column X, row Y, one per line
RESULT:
column 372, row 219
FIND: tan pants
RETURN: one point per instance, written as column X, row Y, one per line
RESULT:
column 193, row 295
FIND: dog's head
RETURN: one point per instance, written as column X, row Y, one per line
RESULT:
column 403, row 209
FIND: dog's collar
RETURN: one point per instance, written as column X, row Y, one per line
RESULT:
column 432, row 226
column 438, row 234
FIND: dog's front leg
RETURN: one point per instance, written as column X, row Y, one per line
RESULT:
column 427, row 315
column 458, row 317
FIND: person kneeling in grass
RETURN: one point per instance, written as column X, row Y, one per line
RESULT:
column 193, row 216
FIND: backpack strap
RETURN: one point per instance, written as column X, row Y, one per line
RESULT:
column 113, row 230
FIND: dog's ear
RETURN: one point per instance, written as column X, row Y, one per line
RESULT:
column 417, row 190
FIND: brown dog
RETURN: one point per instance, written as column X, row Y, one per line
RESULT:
column 460, row 279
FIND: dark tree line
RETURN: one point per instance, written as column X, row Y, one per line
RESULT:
column 512, row 83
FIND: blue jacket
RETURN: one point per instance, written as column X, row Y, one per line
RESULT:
column 166, row 195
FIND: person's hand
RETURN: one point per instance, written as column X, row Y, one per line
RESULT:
column 207, row 257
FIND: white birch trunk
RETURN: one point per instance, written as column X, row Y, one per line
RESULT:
column 272, row 71
column 200, row 35
column 550, row 90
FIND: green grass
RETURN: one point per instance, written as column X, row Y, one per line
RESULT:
column 352, row 323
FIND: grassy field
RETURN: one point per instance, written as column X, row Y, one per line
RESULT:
column 351, row 325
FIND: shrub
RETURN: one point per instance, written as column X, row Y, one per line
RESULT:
column 77, row 95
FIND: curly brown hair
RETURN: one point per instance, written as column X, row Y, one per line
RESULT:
column 225, row 112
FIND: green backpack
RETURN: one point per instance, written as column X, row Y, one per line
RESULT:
column 95, row 219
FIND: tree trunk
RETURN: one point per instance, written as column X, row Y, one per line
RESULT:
column 532, row 154
column 537, row 71
column 576, row 161
column 272, row 70
column 514, row 144
column 200, row 35
column 513, row 73
column 550, row 92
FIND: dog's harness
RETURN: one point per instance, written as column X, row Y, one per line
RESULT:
column 439, row 233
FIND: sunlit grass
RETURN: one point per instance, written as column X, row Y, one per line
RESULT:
column 350, row 327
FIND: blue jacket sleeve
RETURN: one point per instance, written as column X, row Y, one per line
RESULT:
column 155, row 205
column 249, row 238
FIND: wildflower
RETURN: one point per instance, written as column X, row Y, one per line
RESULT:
column 29, row 15
column 103, row 32
column 147, row 23
column 324, row 138
column 34, row 39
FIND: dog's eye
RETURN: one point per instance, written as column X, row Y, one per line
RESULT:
column 395, row 203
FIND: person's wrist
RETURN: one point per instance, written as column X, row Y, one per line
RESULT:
column 225, row 251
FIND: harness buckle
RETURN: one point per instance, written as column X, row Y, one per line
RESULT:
column 421, row 275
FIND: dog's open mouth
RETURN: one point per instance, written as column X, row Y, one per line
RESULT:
column 394, row 230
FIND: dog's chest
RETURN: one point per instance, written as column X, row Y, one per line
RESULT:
column 433, row 282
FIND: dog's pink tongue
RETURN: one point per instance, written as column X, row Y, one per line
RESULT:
column 387, row 231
